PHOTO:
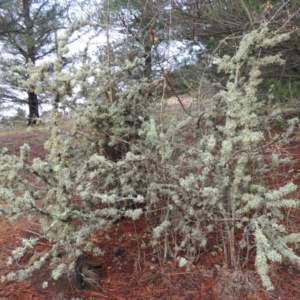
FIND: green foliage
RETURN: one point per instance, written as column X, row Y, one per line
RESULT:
column 190, row 78
column 285, row 91
column 227, row 25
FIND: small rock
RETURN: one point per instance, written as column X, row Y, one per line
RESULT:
column 118, row 251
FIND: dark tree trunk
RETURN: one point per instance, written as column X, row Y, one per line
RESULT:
column 31, row 56
column 148, row 65
column 56, row 101
column 33, row 108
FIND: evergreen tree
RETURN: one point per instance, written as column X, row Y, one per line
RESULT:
column 143, row 30
column 27, row 36
column 220, row 28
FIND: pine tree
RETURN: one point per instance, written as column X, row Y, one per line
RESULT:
column 27, row 36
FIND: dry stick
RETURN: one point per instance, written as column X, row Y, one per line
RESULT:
column 167, row 81
column 137, row 242
column 111, row 95
column 166, row 235
column 176, row 95
column 249, row 16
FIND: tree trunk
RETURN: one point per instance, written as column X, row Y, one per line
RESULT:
column 31, row 56
column 33, row 108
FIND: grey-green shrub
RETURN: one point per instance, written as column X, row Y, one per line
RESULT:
column 118, row 160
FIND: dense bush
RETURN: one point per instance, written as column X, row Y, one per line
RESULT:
column 119, row 161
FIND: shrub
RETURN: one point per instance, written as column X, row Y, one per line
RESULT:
column 117, row 160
